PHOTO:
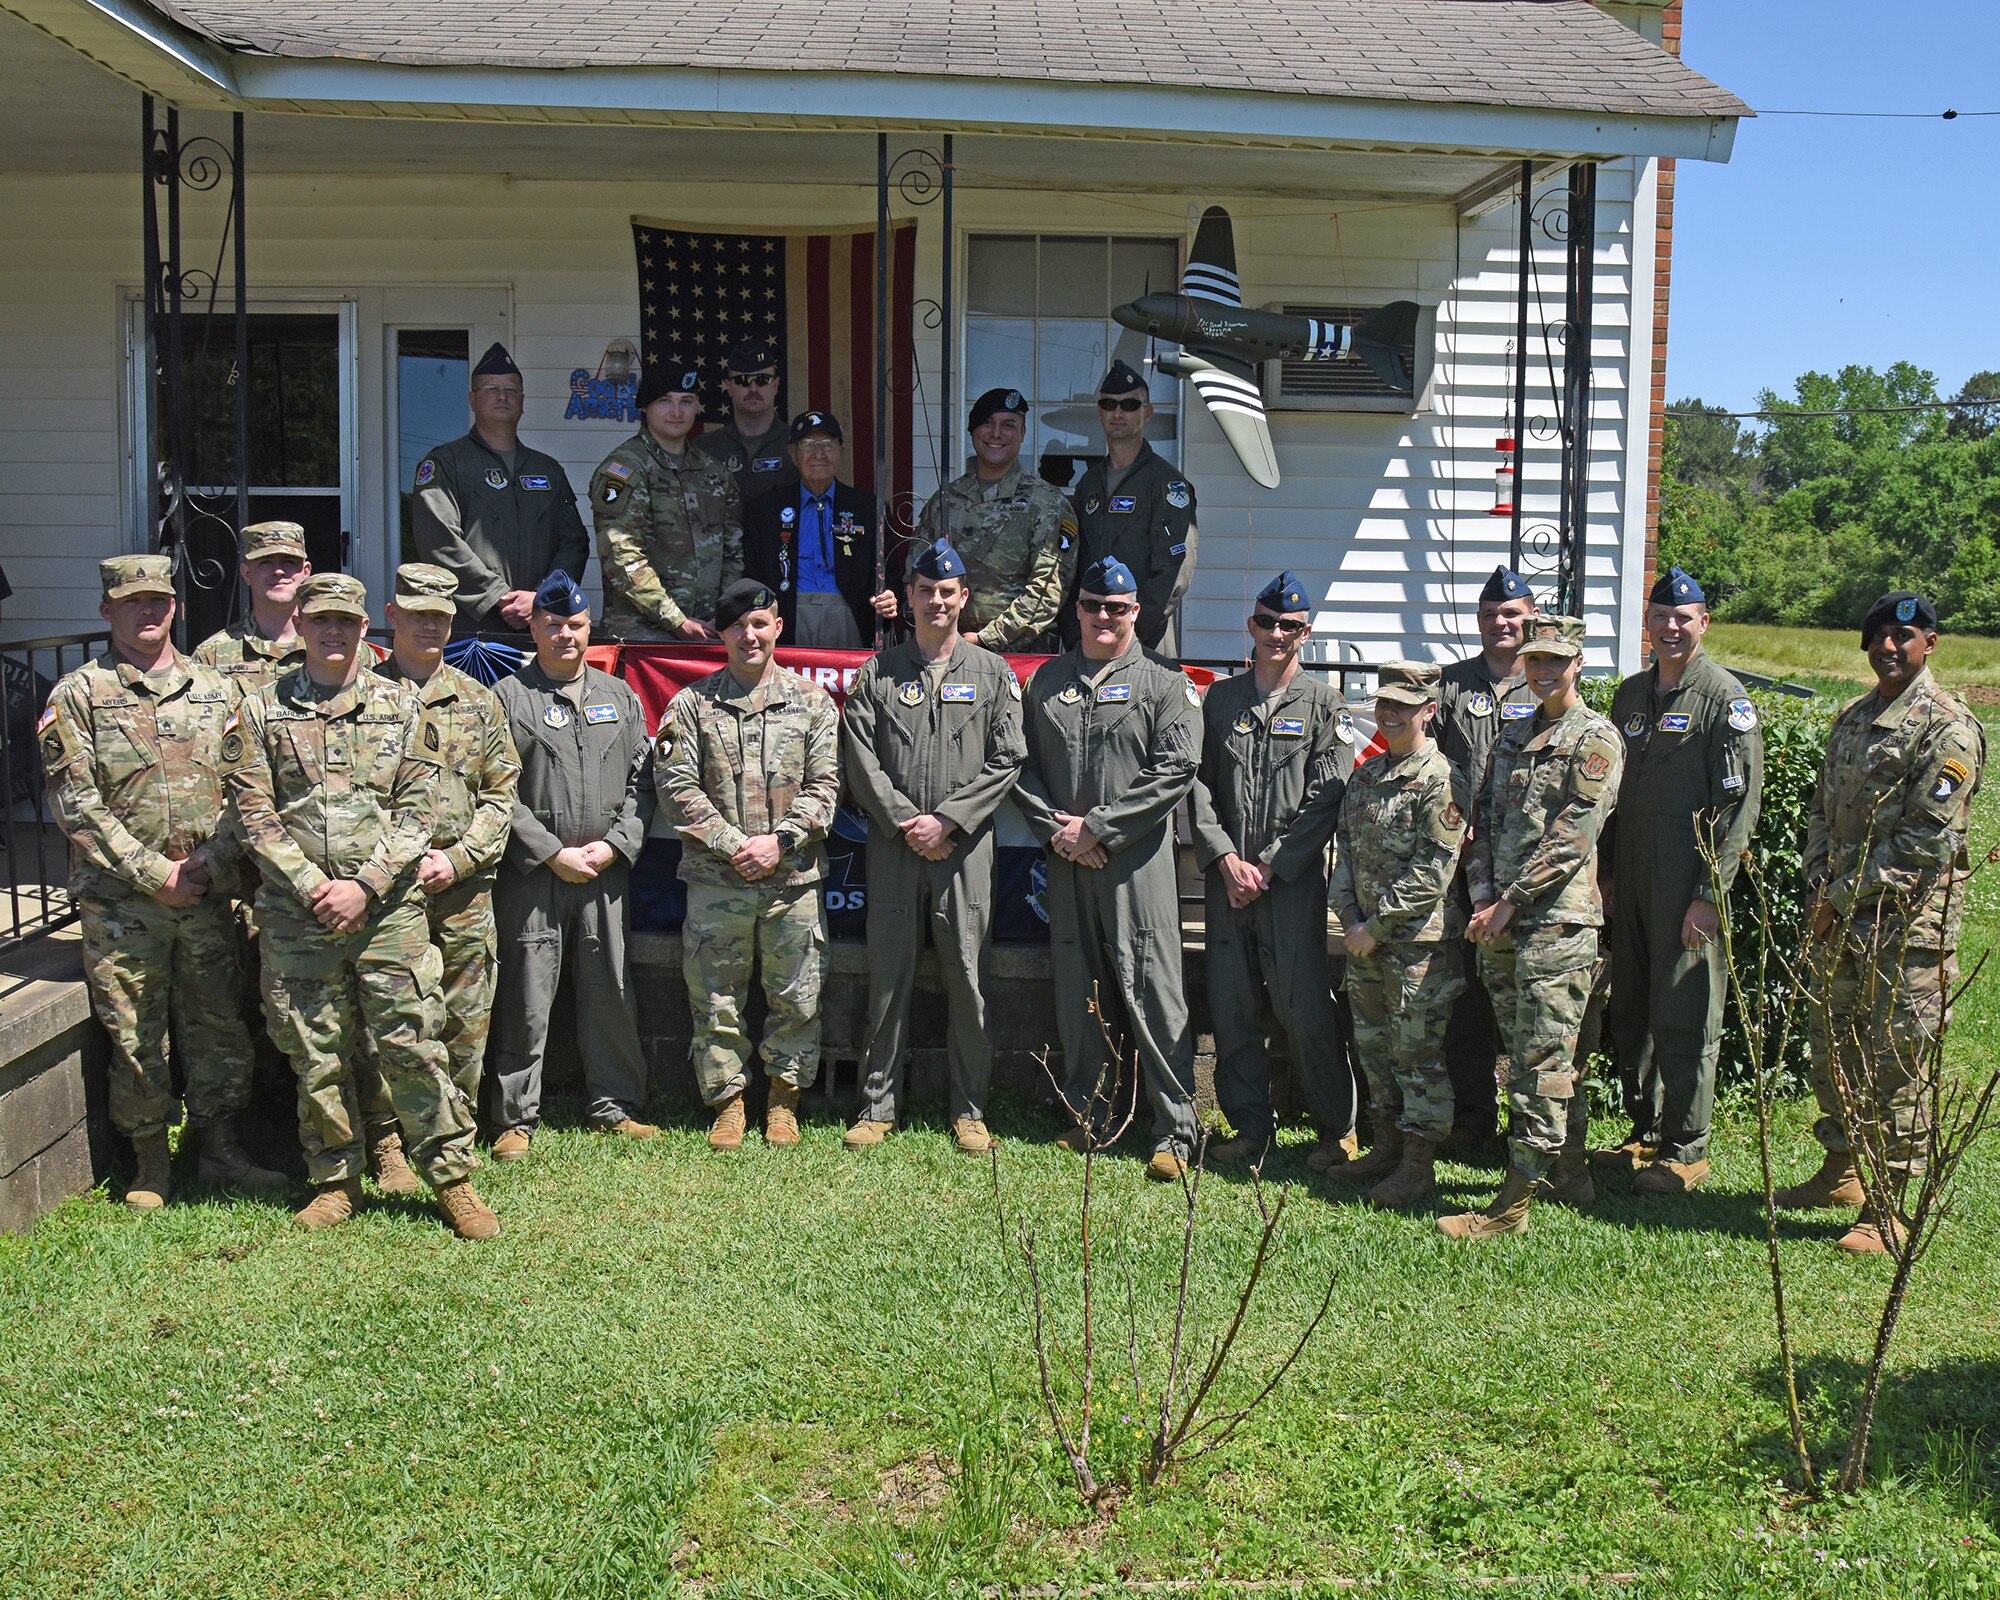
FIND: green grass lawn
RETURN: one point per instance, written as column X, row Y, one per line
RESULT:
column 809, row 1374
column 1833, row 660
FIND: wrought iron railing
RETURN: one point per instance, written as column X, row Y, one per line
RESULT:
column 36, row 893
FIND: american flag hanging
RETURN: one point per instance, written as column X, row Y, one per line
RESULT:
column 812, row 294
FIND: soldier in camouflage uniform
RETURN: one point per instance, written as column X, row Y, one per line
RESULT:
column 1886, row 868
column 1536, row 909
column 748, row 765
column 1400, row 837
column 751, row 445
column 266, row 643
column 1015, row 533
column 474, row 808
column 669, row 519
column 332, row 772
column 130, row 746
column 932, row 735
column 1276, row 750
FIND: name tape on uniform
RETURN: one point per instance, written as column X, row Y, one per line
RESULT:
column 959, row 693
column 1288, row 728
column 1114, row 692
column 600, row 713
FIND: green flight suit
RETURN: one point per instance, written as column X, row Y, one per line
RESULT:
column 759, row 465
column 1146, row 520
column 1473, row 705
column 1886, row 849
column 1117, row 743
column 1017, row 538
column 495, row 528
column 1547, row 792
column 669, row 537
column 946, row 740
column 1272, row 774
column 1694, row 775
column 586, row 775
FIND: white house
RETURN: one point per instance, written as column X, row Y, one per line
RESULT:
column 421, row 179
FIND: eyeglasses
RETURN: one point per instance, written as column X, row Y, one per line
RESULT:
column 753, row 380
column 1107, row 608
column 1111, row 403
column 1271, row 624
column 818, row 447
column 503, row 391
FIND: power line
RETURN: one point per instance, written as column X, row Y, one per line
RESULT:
column 1843, row 411
column 1947, row 115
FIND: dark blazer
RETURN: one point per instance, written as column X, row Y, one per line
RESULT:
column 771, row 552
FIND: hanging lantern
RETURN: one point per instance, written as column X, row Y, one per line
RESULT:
column 1503, row 479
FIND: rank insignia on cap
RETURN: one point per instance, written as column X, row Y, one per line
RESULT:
column 1742, row 715
column 426, row 470
column 1906, row 610
column 1179, row 496
column 1343, row 728
column 1244, row 723
column 495, row 478
column 1515, row 711
column 1114, row 694
column 1124, row 502
column 962, row 694
column 1635, row 724
column 911, row 693
column 1288, row 728
column 600, row 713
column 1481, row 704
column 1071, row 693
column 1674, row 722
column 556, row 716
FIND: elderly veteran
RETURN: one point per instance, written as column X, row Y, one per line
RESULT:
column 1135, row 505
column 1114, row 740
column 750, row 446
column 131, row 747
column 669, row 519
column 812, row 543
column 1277, row 749
column 932, row 736
column 1401, row 832
column 581, row 810
column 748, row 765
column 1886, row 867
column 253, row 652
column 1013, row 531
column 333, row 772
column 493, row 513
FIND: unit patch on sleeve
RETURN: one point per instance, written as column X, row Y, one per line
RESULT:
column 426, row 470
column 1343, row 728
column 1951, row 777
column 1742, row 715
column 1179, row 496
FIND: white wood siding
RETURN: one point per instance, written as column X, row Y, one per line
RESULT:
column 1383, row 516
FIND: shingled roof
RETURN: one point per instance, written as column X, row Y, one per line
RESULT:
column 1547, row 54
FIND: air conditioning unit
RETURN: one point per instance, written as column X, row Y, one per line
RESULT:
column 1350, row 385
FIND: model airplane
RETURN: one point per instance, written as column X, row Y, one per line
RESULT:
column 1221, row 343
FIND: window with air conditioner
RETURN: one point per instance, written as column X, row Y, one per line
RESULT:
column 1349, row 385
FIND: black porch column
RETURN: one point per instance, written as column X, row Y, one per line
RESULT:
column 1573, row 518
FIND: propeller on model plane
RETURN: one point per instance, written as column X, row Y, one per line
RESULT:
column 1222, row 343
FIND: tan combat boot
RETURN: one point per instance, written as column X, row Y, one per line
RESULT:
column 865, row 1135
column 1507, row 1214
column 512, row 1145
column 225, row 1164
column 1415, row 1179
column 1331, row 1153
column 1383, row 1158
column 971, row 1135
column 1630, row 1156
column 470, row 1217
column 1670, row 1177
column 148, row 1189
column 1075, row 1139
column 631, row 1128
column 333, row 1204
column 1240, row 1148
column 1166, row 1166
column 1835, row 1187
column 1868, row 1237
column 387, row 1165
column 726, row 1132
column 781, row 1116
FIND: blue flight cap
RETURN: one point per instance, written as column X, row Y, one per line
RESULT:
column 1676, row 588
column 1284, row 593
column 1505, row 584
column 936, row 561
column 560, row 595
column 1108, row 576
column 496, row 363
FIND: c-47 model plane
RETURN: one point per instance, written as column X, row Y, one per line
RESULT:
column 1221, row 343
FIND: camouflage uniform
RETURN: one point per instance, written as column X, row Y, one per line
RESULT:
column 1272, row 774
column 1548, row 790
column 669, row 537
column 1017, row 537
column 1886, row 849
column 340, row 784
column 239, row 652
column 1117, row 743
column 732, row 763
column 132, row 765
column 1400, row 837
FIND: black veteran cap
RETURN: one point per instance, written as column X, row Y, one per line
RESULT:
column 936, row 561
column 752, row 355
column 807, row 423
column 994, row 401
column 1108, row 576
column 496, row 361
column 560, row 595
column 1676, row 588
column 667, row 377
column 1505, row 584
column 1283, row 593
column 1121, row 379
column 1902, row 608
column 745, row 594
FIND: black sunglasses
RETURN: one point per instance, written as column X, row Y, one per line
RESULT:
column 1107, row 608
column 1271, row 624
column 1109, row 403
column 753, row 380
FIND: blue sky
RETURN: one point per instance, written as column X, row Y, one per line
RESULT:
column 1829, row 241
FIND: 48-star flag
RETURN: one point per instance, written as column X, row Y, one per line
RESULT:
column 811, row 293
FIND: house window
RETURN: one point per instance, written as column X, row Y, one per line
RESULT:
column 1038, row 319
column 433, row 372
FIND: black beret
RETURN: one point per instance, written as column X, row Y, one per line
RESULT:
column 664, row 378
column 745, row 594
column 994, row 401
column 753, row 355
column 496, row 361
column 1902, row 608
column 811, row 422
